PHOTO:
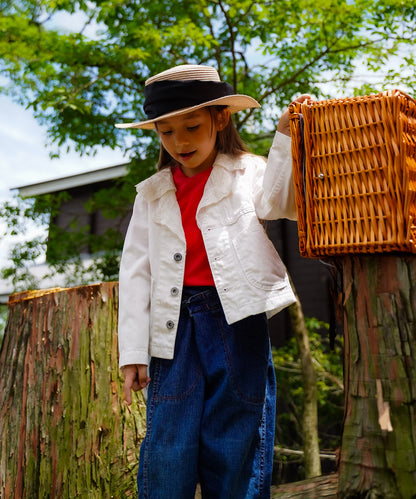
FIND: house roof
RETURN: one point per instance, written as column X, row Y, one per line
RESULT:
column 71, row 181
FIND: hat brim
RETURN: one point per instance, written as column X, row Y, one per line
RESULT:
column 234, row 103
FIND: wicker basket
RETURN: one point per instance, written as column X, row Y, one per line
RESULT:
column 354, row 165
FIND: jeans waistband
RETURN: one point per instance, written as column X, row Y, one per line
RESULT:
column 194, row 295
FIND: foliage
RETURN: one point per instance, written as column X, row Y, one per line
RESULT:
column 329, row 371
column 81, row 75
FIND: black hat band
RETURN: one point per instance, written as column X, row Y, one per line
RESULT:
column 163, row 97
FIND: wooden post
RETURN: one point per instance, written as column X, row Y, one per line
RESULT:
column 378, row 453
column 65, row 431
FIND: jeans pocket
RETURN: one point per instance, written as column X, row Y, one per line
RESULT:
column 247, row 349
column 171, row 380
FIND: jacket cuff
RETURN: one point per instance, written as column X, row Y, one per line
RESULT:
column 282, row 142
column 134, row 357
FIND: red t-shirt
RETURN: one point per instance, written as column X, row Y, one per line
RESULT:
column 189, row 192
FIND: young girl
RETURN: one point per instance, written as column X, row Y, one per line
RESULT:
column 198, row 280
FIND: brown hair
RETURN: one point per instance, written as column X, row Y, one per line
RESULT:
column 228, row 140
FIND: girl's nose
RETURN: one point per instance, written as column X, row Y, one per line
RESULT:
column 181, row 139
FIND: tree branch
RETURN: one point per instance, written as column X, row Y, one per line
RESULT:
column 232, row 43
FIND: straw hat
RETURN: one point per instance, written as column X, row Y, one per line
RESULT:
column 186, row 88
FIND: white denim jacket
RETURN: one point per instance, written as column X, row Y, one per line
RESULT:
column 248, row 273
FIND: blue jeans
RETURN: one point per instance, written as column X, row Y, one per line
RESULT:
column 210, row 410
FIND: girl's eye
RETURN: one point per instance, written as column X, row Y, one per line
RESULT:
column 193, row 128
column 167, row 132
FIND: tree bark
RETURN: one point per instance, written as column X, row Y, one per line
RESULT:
column 310, row 402
column 378, row 453
column 65, row 431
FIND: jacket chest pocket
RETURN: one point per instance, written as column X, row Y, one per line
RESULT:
column 258, row 258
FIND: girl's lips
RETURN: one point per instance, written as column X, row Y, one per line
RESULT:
column 186, row 155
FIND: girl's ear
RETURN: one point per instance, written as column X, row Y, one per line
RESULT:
column 222, row 119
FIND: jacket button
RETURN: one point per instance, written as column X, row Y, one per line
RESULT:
column 174, row 291
column 170, row 324
column 177, row 257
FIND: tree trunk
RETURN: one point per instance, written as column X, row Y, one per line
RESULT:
column 65, row 431
column 378, row 454
column 310, row 402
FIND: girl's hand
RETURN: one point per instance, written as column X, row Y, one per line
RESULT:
column 135, row 378
column 283, row 125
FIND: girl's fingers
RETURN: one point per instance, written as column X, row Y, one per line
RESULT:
column 135, row 378
column 303, row 98
column 143, row 379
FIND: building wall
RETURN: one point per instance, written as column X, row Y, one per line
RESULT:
column 74, row 211
column 311, row 278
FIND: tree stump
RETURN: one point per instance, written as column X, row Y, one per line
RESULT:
column 378, row 453
column 65, row 431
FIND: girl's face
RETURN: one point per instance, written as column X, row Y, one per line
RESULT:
column 190, row 139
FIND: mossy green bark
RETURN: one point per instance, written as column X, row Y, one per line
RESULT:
column 65, row 430
column 378, row 454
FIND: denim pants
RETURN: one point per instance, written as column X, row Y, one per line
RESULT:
column 210, row 410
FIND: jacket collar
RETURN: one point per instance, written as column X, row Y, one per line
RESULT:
column 156, row 186
column 160, row 187
column 219, row 183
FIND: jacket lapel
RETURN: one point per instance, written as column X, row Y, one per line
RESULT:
column 220, row 182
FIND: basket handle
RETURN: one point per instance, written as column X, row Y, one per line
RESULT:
column 303, row 161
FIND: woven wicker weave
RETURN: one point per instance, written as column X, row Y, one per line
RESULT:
column 354, row 163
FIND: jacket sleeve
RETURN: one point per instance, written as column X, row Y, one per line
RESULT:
column 275, row 196
column 134, row 290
